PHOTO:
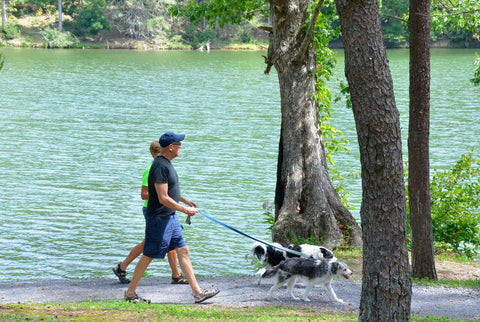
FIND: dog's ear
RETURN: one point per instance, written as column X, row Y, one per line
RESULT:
column 334, row 267
column 326, row 253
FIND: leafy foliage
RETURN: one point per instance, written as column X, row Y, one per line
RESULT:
column 141, row 19
column 458, row 19
column 334, row 142
column 219, row 11
column 455, row 197
column 11, row 30
column 395, row 30
column 268, row 216
column 456, row 205
column 455, row 15
column 91, row 19
column 57, row 39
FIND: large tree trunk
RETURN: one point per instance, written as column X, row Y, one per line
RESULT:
column 386, row 284
column 423, row 258
column 306, row 203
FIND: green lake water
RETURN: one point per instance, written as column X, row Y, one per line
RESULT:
column 75, row 128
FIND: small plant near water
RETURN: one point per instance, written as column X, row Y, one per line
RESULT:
column 456, row 205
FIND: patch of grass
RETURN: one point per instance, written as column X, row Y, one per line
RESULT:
column 242, row 47
column 349, row 252
column 450, row 283
column 123, row 311
column 434, row 319
column 452, row 256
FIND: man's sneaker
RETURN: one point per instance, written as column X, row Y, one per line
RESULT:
column 206, row 294
column 121, row 274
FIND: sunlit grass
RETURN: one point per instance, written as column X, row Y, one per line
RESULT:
column 123, row 311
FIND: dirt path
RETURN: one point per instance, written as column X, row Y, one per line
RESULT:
column 239, row 291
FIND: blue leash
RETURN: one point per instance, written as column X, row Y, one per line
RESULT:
column 251, row 237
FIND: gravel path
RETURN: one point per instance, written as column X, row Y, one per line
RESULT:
column 239, row 291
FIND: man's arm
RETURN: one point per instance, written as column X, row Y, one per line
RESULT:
column 164, row 198
column 188, row 202
column 144, row 192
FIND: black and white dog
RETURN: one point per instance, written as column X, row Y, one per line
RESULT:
column 312, row 271
column 272, row 256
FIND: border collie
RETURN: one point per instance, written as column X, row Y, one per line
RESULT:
column 272, row 256
column 312, row 271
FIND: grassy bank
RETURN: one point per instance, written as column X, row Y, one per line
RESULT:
column 123, row 311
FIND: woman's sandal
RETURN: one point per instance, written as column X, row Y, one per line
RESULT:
column 121, row 274
column 179, row 280
column 135, row 299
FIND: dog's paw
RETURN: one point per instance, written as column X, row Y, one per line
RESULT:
column 339, row 300
column 306, row 299
column 260, row 272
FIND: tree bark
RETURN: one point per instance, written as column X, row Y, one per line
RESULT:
column 423, row 258
column 386, row 284
column 60, row 21
column 4, row 15
column 306, row 203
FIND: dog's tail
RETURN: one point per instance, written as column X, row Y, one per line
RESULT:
column 259, row 250
column 267, row 273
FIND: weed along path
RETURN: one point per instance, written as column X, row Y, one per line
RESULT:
column 239, row 291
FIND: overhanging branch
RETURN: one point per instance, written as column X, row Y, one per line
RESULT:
column 309, row 35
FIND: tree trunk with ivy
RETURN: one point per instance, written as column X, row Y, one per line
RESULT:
column 306, row 202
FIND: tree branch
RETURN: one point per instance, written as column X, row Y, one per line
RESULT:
column 463, row 12
column 309, row 35
column 396, row 18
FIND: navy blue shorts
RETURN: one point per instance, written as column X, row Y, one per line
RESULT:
column 162, row 234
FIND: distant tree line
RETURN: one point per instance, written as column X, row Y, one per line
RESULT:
column 150, row 20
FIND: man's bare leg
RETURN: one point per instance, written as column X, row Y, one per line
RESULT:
column 134, row 253
column 137, row 275
column 187, row 269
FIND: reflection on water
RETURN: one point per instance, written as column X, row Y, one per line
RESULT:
column 75, row 127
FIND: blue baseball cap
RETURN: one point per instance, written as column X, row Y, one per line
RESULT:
column 168, row 138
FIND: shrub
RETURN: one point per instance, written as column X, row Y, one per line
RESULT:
column 455, row 195
column 455, row 198
column 11, row 30
column 92, row 19
column 57, row 39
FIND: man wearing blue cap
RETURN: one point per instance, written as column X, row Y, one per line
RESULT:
column 163, row 231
